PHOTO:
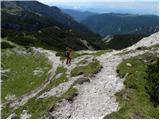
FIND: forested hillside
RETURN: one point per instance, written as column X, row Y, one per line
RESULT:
column 115, row 24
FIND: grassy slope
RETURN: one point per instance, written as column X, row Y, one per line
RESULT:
column 75, row 54
column 135, row 101
column 21, row 79
column 56, row 81
column 90, row 69
column 38, row 107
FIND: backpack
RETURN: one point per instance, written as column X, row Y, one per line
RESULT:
column 66, row 53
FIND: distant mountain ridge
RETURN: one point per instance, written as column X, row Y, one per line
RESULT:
column 56, row 16
column 30, row 23
column 77, row 14
column 113, row 24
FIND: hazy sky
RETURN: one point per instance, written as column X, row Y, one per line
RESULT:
column 96, row 0
column 105, row 6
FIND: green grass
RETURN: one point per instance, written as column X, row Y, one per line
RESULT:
column 70, row 94
column 6, row 111
column 137, row 65
column 81, row 80
column 154, row 46
column 5, row 45
column 148, row 48
column 61, row 69
column 55, row 82
column 152, row 86
column 62, row 78
column 20, row 79
column 97, row 53
column 39, row 107
column 101, row 52
column 75, row 54
column 82, row 62
column 90, row 69
column 134, row 100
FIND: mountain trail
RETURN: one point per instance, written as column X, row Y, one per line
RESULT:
column 97, row 98
column 63, row 87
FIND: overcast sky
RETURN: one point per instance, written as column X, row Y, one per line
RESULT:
column 105, row 6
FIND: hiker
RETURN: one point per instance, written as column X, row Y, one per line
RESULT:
column 68, row 55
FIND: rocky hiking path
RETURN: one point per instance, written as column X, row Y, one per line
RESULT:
column 63, row 87
column 97, row 98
